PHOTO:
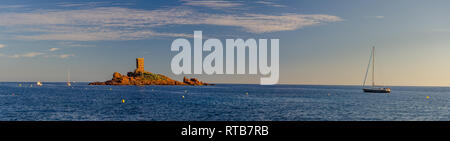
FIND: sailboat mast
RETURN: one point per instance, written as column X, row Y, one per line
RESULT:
column 373, row 66
column 68, row 75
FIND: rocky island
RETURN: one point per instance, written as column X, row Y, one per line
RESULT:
column 143, row 77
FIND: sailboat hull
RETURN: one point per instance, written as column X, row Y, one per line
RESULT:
column 377, row 90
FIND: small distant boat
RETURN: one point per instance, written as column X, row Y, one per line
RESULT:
column 373, row 89
column 68, row 79
column 39, row 83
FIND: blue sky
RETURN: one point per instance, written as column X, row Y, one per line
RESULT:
column 321, row 41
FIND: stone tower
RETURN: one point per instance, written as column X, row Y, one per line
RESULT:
column 139, row 65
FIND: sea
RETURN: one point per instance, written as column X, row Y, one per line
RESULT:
column 24, row 101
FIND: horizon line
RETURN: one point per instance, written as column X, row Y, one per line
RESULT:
column 244, row 84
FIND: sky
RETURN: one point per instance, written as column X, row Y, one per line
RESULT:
column 324, row 42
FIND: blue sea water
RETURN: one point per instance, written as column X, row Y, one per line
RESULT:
column 223, row 102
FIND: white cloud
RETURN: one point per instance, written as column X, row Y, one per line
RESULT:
column 81, row 4
column 379, row 17
column 259, row 23
column 27, row 55
column 11, row 6
column 53, row 49
column 91, row 4
column 374, row 17
column 215, row 4
column 101, row 35
column 2, row 45
column 116, row 23
column 73, row 44
column 37, row 54
column 269, row 3
column 63, row 56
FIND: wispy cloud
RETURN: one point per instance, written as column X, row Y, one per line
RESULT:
column 11, row 6
column 82, row 4
column 64, row 56
column 37, row 54
column 73, row 44
column 118, row 23
column 215, row 4
column 27, row 55
column 53, row 49
column 270, row 3
column 375, row 17
column 46, row 54
column 104, row 23
column 2, row 45
column 91, row 4
column 379, row 17
column 260, row 23
column 60, row 56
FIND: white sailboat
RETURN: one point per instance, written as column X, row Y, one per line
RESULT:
column 373, row 89
column 39, row 83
